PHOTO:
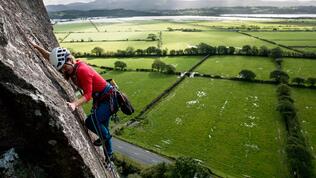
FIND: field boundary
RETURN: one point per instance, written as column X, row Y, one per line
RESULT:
column 272, row 42
column 62, row 40
column 94, row 25
column 167, row 91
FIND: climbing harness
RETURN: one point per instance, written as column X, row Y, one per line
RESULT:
column 98, row 98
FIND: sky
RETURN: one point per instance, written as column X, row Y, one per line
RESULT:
column 53, row 2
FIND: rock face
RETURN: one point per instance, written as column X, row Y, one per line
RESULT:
column 39, row 135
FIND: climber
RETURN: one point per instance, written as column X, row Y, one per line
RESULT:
column 93, row 86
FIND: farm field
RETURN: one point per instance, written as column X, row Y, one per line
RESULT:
column 296, row 67
column 297, row 40
column 230, row 66
column 100, row 36
column 75, row 27
column 108, row 46
column 121, row 33
column 154, row 25
column 140, row 87
column 183, row 63
column 281, row 25
column 231, row 127
column 305, row 104
column 182, row 40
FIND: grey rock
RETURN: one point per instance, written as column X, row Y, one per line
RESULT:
column 32, row 102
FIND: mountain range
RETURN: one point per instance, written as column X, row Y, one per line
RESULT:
column 175, row 4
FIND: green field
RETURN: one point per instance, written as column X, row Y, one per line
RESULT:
column 123, row 33
column 182, row 40
column 297, row 67
column 74, row 27
column 231, row 127
column 60, row 36
column 181, row 64
column 154, row 25
column 100, row 36
column 137, row 85
column 230, row 66
column 108, row 46
column 291, row 39
column 305, row 104
column 266, row 25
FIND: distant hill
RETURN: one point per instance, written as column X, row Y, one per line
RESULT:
column 71, row 14
column 141, row 5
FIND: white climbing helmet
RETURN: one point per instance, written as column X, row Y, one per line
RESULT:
column 58, row 57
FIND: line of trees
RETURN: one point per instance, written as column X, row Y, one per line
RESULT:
column 298, row 153
column 200, row 49
column 311, row 81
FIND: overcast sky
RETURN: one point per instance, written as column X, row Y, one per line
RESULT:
column 50, row 2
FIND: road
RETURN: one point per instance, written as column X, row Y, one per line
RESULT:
column 136, row 153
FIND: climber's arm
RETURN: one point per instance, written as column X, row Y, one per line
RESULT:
column 77, row 103
column 43, row 51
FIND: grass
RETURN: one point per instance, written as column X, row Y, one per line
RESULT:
column 140, row 87
column 182, row 40
column 305, row 104
column 232, row 127
column 296, row 67
column 75, row 27
column 108, row 46
column 181, row 64
column 290, row 39
column 60, row 36
column 230, row 66
column 99, row 36
column 154, row 25
column 262, row 24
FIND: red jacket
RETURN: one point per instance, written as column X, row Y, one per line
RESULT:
column 88, row 80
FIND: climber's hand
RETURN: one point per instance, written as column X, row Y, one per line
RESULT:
column 72, row 106
column 32, row 43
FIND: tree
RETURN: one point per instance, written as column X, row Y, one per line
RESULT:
column 283, row 90
column 188, row 167
column 298, row 80
column 246, row 49
column 156, row 171
column 247, row 75
column 139, row 52
column 151, row 50
column 279, row 76
column 158, row 65
column 204, row 48
column 152, row 37
column 169, row 69
column 264, row 51
column 255, row 50
column 172, row 52
column 98, row 51
column 276, row 52
column 130, row 51
column 311, row 81
column 120, row 64
column 231, row 50
column 222, row 50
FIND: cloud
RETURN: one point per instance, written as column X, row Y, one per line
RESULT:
column 51, row 2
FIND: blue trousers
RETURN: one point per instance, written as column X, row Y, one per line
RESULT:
column 99, row 119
